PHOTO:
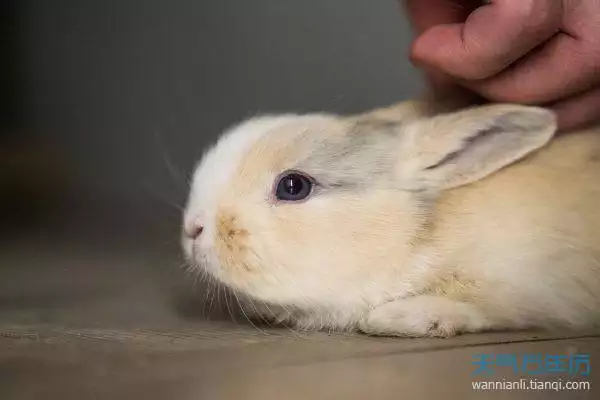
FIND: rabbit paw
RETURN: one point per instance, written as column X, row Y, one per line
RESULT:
column 424, row 316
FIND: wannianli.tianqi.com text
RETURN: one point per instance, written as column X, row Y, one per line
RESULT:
column 532, row 385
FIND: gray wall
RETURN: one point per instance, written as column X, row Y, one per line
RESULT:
column 121, row 85
column 115, row 88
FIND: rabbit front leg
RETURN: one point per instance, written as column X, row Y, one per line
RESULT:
column 424, row 315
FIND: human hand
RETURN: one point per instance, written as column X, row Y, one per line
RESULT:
column 540, row 52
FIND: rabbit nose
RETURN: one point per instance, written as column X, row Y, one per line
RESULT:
column 194, row 229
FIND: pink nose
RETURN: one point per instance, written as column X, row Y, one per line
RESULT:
column 194, row 229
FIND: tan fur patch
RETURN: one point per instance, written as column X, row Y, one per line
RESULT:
column 231, row 241
column 453, row 286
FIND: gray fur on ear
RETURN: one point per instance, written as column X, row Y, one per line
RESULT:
column 455, row 149
column 365, row 155
column 359, row 159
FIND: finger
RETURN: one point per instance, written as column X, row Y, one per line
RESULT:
column 425, row 14
column 578, row 111
column 491, row 38
column 563, row 67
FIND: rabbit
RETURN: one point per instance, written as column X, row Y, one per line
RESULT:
column 407, row 220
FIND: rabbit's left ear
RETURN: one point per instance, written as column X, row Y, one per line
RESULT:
column 455, row 149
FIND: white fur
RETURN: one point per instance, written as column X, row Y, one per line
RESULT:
column 215, row 171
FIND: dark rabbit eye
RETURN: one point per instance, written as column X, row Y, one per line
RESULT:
column 293, row 186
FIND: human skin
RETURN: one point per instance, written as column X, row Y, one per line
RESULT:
column 538, row 52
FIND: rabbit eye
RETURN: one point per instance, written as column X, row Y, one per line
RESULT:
column 293, row 186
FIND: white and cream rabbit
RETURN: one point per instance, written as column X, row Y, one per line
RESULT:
column 404, row 221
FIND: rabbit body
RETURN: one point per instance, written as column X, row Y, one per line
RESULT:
column 416, row 224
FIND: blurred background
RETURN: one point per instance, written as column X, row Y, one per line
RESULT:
column 107, row 104
column 105, row 107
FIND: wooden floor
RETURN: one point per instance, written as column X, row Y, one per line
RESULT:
column 89, row 317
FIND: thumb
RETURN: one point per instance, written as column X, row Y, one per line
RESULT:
column 492, row 37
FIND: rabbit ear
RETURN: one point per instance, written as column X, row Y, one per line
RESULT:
column 455, row 149
column 400, row 113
